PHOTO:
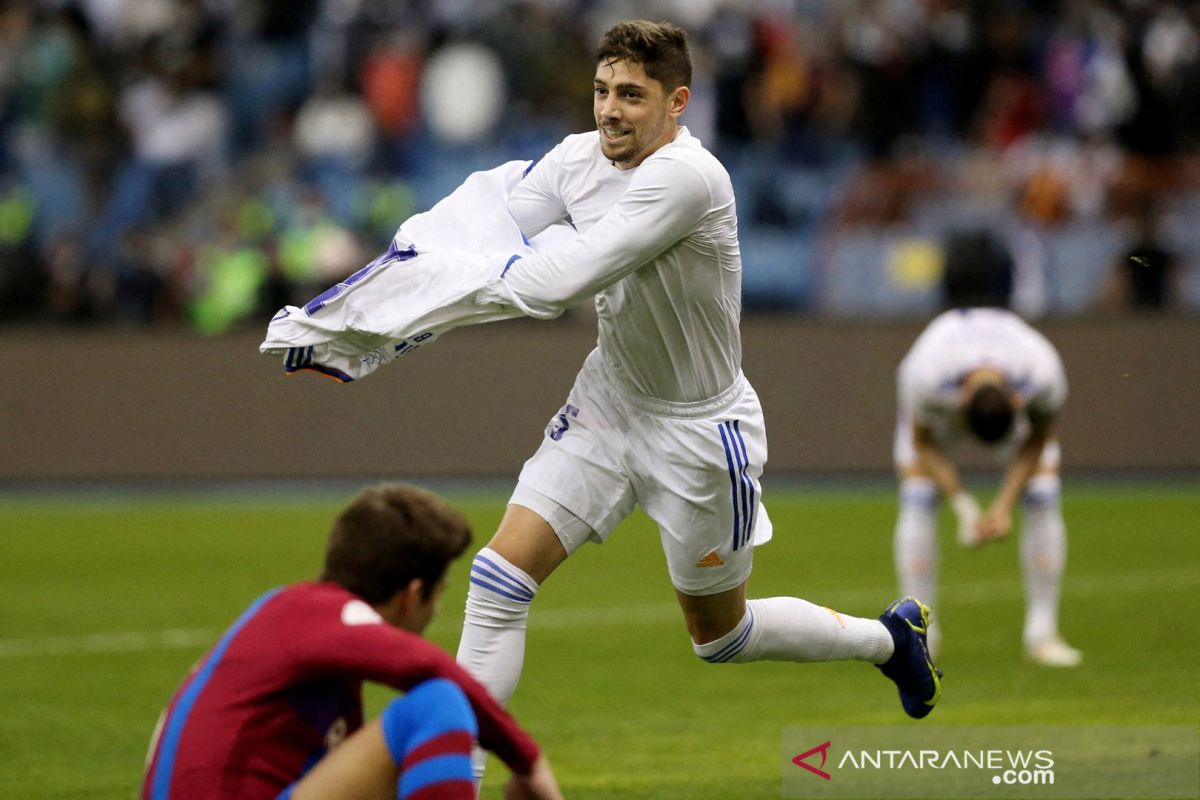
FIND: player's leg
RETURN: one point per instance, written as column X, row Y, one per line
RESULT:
column 792, row 629
column 417, row 749
column 915, row 540
column 711, row 519
column 505, row 577
column 1043, row 558
column 726, row 626
column 573, row 489
column 915, row 545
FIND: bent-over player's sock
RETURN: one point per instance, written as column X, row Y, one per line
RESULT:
column 492, row 647
column 1043, row 556
column 429, row 733
column 915, row 546
column 791, row 629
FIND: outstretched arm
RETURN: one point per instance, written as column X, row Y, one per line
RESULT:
column 998, row 520
column 932, row 461
column 662, row 205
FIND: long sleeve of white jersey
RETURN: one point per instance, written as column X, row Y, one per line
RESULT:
column 535, row 202
column 664, row 202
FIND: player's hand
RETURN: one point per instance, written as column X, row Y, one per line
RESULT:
column 995, row 524
column 539, row 784
column 968, row 513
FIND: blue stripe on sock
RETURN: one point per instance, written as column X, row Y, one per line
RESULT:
column 499, row 574
column 733, row 481
column 920, row 496
column 509, row 573
column 1039, row 503
column 453, row 767
column 499, row 591
column 733, row 648
column 430, row 709
column 1037, row 499
column 488, row 575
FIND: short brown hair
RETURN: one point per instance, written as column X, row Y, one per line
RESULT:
column 390, row 534
column 660, row 47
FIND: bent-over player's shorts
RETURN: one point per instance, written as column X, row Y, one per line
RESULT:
column 693, row 467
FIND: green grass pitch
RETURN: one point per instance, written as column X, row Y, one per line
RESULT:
column 105, row 605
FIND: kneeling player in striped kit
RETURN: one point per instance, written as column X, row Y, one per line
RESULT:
column 282, row 688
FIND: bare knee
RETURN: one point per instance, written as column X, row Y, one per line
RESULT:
column 527, row 541
column 709, row 617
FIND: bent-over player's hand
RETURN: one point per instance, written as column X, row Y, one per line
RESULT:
column 995, row 524
column 539, row 784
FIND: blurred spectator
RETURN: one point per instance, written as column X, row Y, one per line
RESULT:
column 881, row 39
column 390, row 76
column 978, row 271
column 22, row 281
column 335, row 139
column 269, row 64
column 178, row 128
column 161, row 159
column 1143, row 278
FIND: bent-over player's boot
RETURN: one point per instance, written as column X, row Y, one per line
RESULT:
column 1053, row 652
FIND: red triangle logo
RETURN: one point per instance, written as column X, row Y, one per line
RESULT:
column 823, row 749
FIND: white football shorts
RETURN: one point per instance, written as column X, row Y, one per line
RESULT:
column 693, row 467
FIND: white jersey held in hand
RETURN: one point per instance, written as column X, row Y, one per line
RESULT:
column 425, row 284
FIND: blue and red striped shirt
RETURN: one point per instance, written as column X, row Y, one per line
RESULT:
column 284, row 684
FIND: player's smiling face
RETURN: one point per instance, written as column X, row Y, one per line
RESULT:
column 634, row 114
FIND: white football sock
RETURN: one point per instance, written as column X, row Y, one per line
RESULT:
column 915, row 547
column 492, row 646
column 790, row 629
column 1043, row 557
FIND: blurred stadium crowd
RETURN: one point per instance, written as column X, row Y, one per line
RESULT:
column 209, row 160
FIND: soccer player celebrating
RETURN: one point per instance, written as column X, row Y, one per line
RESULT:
column 660, row 414
column 283, row 686
column 986, row 374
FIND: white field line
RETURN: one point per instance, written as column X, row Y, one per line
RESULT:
column 861, row 600
column 131, row 642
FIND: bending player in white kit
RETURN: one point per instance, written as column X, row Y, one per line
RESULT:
column 985, row 373
column 660, row 415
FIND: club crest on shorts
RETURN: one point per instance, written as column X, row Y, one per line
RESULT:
column 561, row 422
